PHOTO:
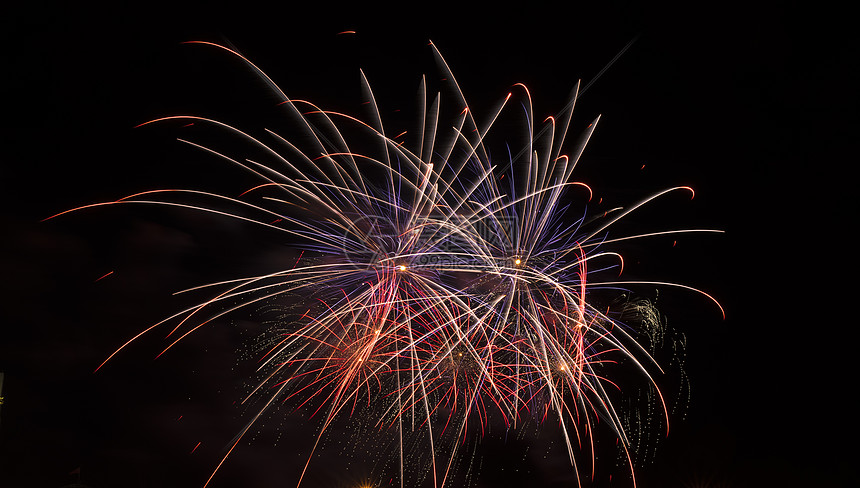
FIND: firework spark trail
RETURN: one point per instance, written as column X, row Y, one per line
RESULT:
column 434, row 297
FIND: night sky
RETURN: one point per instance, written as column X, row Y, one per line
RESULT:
column 751, row 108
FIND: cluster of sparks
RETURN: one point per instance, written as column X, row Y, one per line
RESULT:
column 436, row 289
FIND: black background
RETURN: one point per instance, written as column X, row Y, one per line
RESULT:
column 753, row 108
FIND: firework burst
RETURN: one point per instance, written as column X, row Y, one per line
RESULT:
column 437, row 289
